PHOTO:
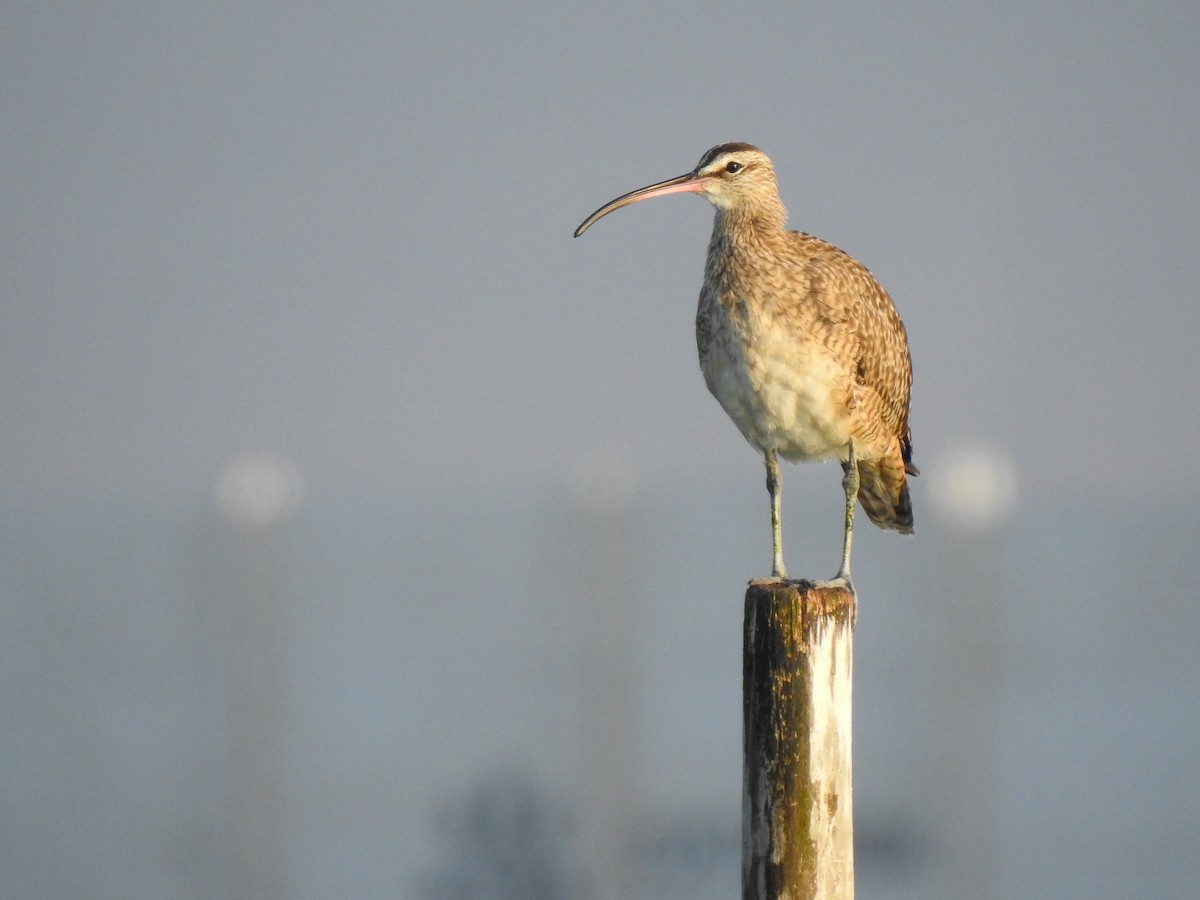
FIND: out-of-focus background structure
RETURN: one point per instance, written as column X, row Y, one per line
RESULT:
column 361, row 534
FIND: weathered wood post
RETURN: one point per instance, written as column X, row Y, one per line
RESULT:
column 797, row 811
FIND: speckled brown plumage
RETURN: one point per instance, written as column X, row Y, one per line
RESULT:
column 798, row 342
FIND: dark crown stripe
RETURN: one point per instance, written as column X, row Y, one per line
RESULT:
column 716, row 151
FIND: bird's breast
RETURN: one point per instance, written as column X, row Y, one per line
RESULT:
column 775, row 376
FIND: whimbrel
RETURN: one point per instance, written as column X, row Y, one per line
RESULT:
column 798, row 342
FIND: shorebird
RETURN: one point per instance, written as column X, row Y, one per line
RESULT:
column 799, row 343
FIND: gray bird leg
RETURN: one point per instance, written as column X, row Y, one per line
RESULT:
column 774, row 488
column 850, row 483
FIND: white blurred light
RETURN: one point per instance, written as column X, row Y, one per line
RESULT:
column 257, row 490
column 974, row 487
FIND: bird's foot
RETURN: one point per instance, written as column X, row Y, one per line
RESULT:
column 767, row 581
column 840, row 581
column 778, row 576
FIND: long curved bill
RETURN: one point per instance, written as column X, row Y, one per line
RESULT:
column 691, row 183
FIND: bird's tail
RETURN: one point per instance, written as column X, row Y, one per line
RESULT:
column 883, row 492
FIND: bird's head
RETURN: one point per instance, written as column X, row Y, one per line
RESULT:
column 736, row 178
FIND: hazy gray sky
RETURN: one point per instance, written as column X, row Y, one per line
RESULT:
column 343, row 232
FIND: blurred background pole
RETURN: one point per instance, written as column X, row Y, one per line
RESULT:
column 972, row 495
column 605, row 556
column 255, row 623
column 797, row 810
column 256, row 496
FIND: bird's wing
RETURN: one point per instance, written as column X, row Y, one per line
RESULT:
column 845, row 292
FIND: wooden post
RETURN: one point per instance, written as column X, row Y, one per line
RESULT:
column 797, row 814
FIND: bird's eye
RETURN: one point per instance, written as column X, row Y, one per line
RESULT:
column 733, row 167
